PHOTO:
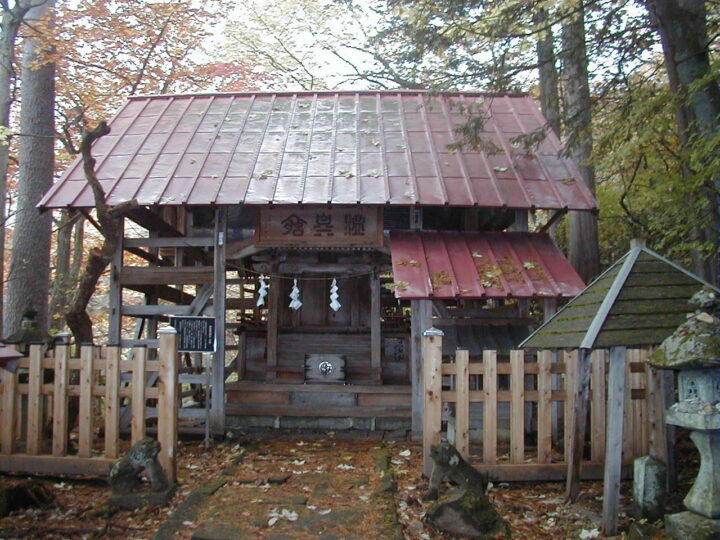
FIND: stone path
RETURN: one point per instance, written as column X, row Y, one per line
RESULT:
column 294, row 489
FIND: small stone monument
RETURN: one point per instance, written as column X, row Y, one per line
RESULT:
column 127, row 489
column 694, row 350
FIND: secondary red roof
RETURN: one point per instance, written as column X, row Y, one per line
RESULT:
column 326, row 147
column 477, row 265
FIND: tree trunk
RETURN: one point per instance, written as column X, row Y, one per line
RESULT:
column 547, row 73
column 11, row 20
column 62, row 281
column 30, row 262
column 583, row 244
column 109, row 220
column 681, row 25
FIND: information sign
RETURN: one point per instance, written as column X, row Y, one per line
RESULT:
column 195, row 334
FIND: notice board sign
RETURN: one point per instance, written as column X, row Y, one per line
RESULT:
column 289, row 226
column 195, row 334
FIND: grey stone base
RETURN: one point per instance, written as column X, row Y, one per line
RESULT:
column 140, row 499
column 306, row 422
column 691, row 526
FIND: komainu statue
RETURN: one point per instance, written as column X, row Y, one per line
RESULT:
column 466, row 510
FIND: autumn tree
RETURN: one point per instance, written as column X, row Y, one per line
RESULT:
column 153, row 48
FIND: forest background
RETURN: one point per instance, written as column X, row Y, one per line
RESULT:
column 631, row 87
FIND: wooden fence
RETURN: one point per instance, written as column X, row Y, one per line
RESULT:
column 540, row 410
column 51, row 399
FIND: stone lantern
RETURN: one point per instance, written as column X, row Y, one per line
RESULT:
column 694, row 351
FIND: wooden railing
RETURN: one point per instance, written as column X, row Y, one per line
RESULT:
column 540, row 410
column 50, row 398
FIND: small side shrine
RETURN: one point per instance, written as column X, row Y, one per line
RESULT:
column 324, row 232
column 636, row 303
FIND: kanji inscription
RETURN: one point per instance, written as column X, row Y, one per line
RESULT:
column 322, row 227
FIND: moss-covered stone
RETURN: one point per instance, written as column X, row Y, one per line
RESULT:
column 695, row 344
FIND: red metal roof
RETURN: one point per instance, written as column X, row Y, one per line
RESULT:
column 480, row 265
column 325, row 147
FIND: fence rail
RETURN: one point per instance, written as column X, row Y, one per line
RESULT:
column 50, row 397
column 541, row 410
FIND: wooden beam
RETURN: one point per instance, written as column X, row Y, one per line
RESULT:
column 153, row 275
column 578, row 425
column 173, row 242
column 614, row 440
column 217, row 409
column 154, row 311
column 251, row 386
column 163, row 292
column 149, row 257
column 152, row 222
column 317, row 268
column 375, row 330
column 420, row 320
column 549, row 223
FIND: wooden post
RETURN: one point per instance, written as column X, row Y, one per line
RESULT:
column 432, row 364
column 9, row 404
column 375, row 329
column 614, row 444
column 112, row 401
column 85, row 418
column 272, row 329
column 115, row 293
column 517, row 406
column 420, row 319
column 217, row 410
column 60, row 400
column 168, row 401
column 544, row 422
column 34, row 421
column 462, row 403
column 490, row 407
column 578, row 424
column 137, row 423
column 597, row 408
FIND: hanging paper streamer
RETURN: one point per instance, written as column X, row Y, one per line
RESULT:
column 295, row 302
column 334, row 304
column 262, row 291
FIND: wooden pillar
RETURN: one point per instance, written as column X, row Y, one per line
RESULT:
column 420, row 320
column 462, row 404
column 112, row 401
column 60, row 400
column 578, row 424
column 137, row 430
column 8, row 379
column 432, row 377
column 115, row 293
column 217, row 403
column 375, row 329
column 614, row 441
column 272, row 329
column 168, row 401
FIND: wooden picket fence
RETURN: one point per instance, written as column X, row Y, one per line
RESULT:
column 538, row 398
column 37, row 396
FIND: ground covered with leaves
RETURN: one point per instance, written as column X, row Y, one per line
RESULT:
column 296, row 486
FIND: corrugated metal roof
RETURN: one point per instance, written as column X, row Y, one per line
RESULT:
column 640, row 300
column 480, row 265
column 325, row 147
